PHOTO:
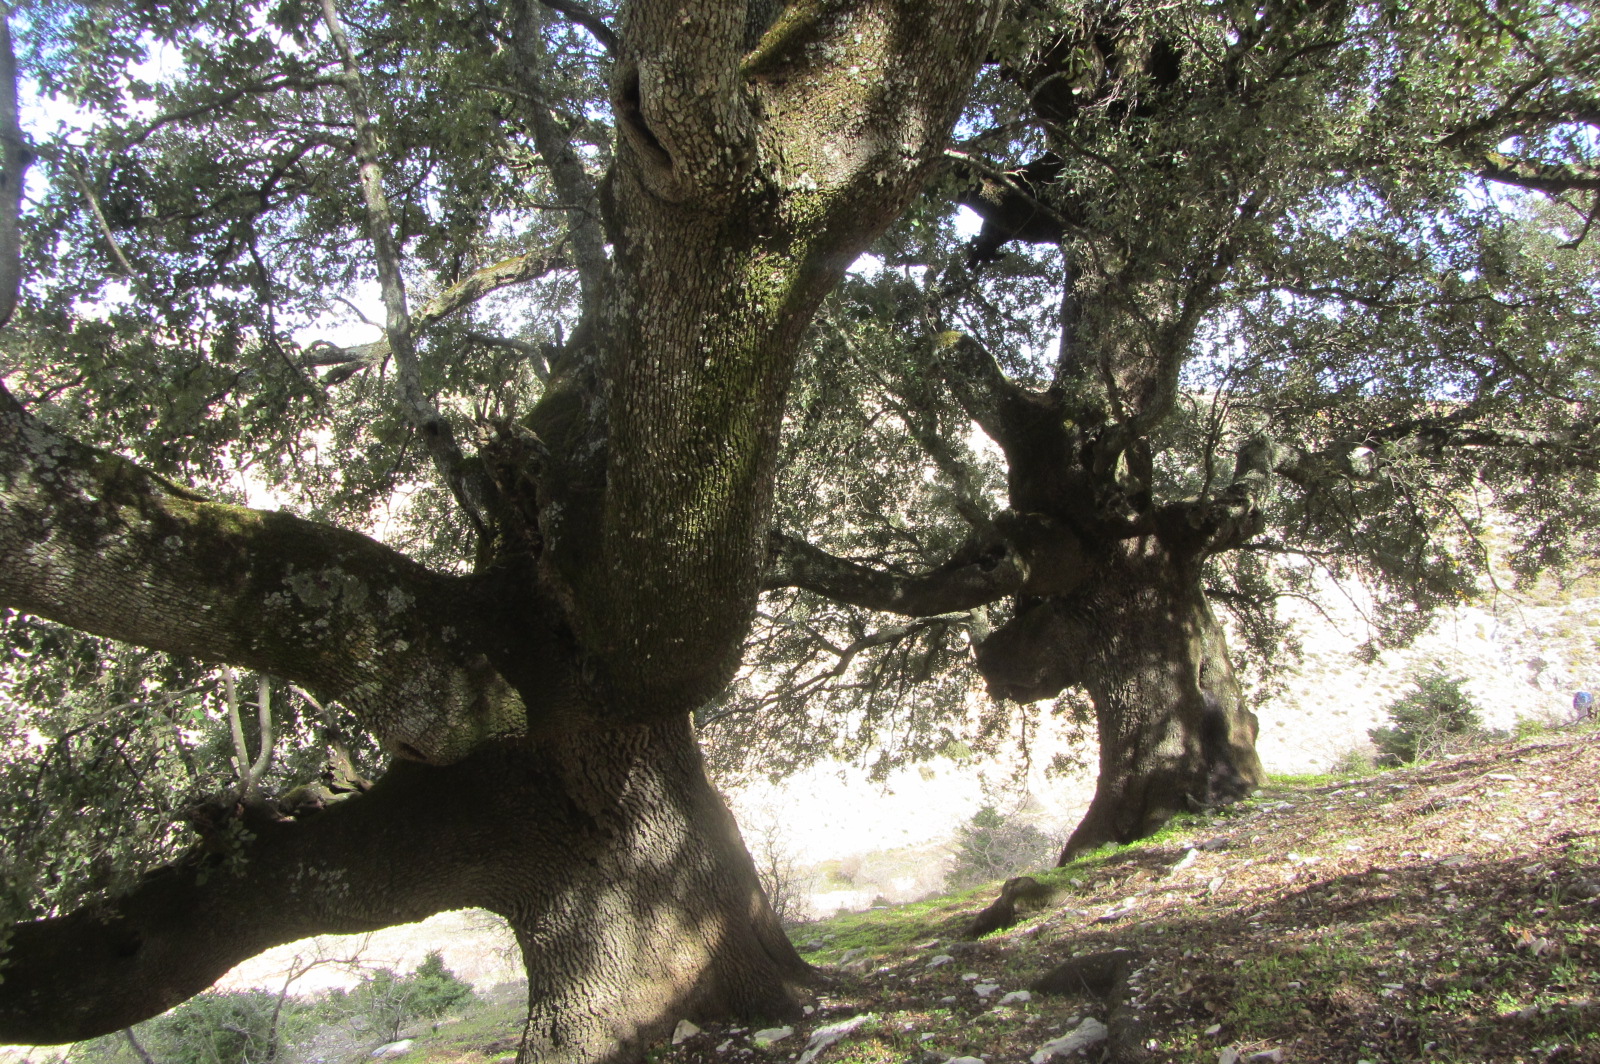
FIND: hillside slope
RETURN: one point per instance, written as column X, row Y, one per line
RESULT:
column 1447, row 912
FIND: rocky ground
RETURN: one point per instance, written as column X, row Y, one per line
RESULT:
column 1522, row 654
column 1446, row 912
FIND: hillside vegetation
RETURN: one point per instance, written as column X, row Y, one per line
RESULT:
column 1439, row 912
column 1445, row 912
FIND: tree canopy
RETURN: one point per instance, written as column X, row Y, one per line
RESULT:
column 1257, row 288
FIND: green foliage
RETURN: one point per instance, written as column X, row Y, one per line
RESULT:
column 384, row 1002
column 992, row 846
column 1415, row 341
column 1354, row 762
column 192, row 230
column 231, row 1027
column 1427, row 720
column 1288, row 235
column 1530, row 728
column 103, row 731
column 127, row 741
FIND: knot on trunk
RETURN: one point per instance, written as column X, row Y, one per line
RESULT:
column 1025, row 659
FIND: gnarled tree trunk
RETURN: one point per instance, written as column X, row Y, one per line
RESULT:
column 610, row 854
column 1140, row 637
column 1107, row 593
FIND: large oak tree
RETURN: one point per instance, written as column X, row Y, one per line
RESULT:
column 599, row 237
column 687, row 181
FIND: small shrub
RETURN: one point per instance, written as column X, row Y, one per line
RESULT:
column 239, row 1027
column 957, row 751
column 1531, row 727
column 992, row 846
column 1356, row 761
column 385, row 1003
column 1428, row 720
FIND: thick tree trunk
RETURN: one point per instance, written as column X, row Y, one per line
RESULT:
column 653, row 912
column 611, row 854
column 1175, row 734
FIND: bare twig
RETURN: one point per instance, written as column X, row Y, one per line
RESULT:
column 357, row 311
column 322, row 711
column 352, row 360
column 99, row 215
column 138, row 1050
column 264, row 721
column 250, row 773
column 535, row 355
column 241, row 758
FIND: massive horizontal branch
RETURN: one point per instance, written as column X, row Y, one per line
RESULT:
column 105, row 967
column 795, row 563
column 1357, row 456
column 92, row 541
column 1233, row 516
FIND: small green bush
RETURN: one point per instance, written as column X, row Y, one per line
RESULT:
column 1355, row 761
column 1530, row 727
column 992, row 846
column 1428, row 720
column 237, row 1027
column 385, row 1003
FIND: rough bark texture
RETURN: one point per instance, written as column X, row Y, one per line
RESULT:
column 746, row 184
column 1114, row 602
column 611, row 855
column 90, row 540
